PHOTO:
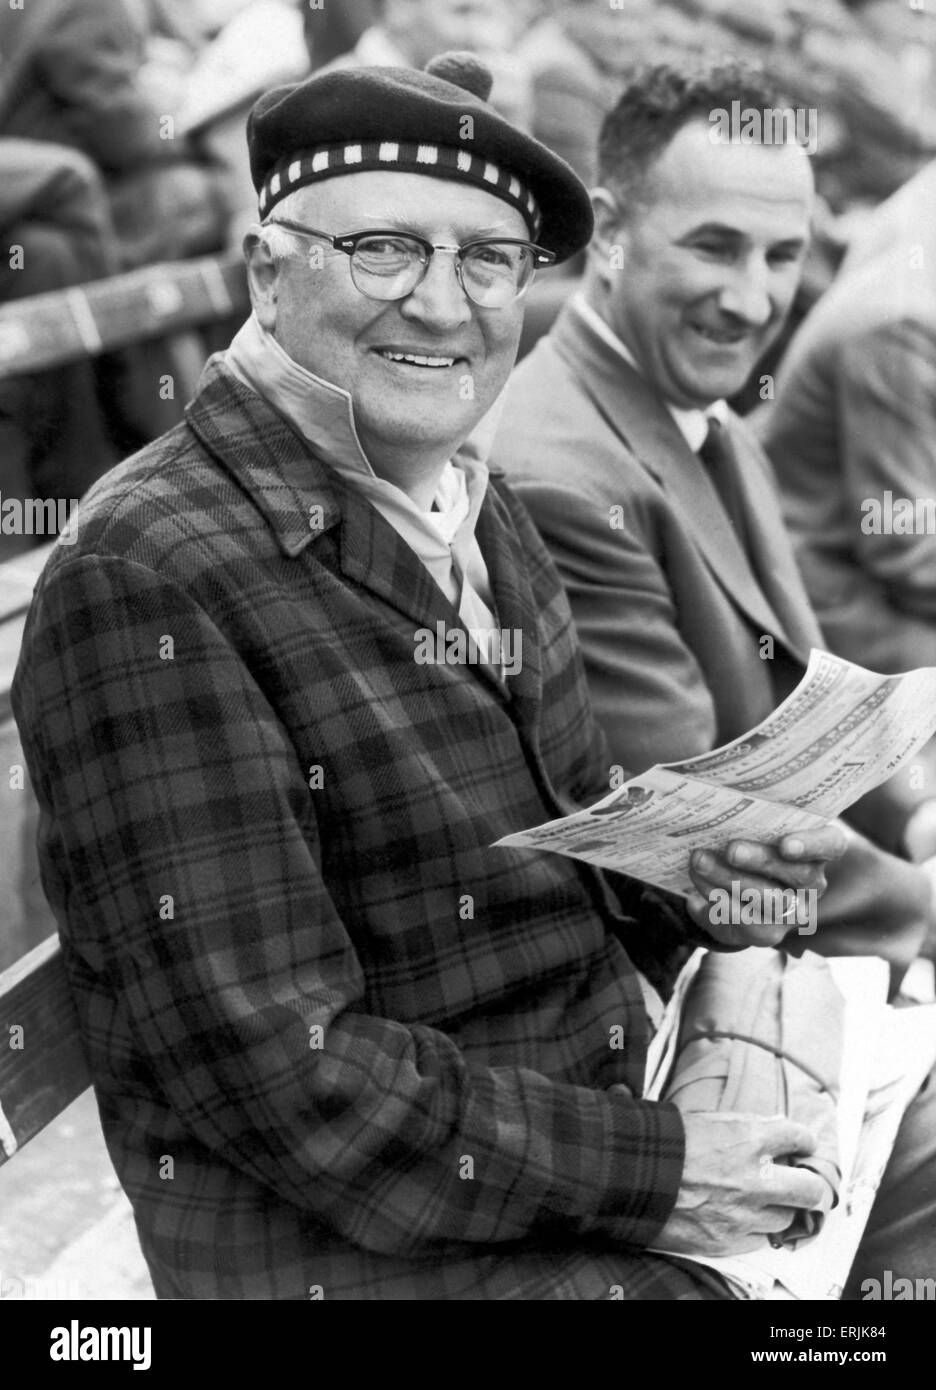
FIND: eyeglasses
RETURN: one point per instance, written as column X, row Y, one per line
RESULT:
column 493, row 272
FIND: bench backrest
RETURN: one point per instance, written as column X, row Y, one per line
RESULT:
column 42, row 1062
column 46, row 330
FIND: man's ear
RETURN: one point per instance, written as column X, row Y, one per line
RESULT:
column 262, row 277
column 610, row 234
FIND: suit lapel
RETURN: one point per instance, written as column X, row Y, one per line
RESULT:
column 636, row 414
column 774, row 561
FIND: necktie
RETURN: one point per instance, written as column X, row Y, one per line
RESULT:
column 721, row 462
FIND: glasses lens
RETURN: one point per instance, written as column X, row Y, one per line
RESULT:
column 387, row 267
column 496, row 272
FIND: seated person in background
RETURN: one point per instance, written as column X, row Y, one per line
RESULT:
column 55, row 231
column 332, row 30
column 410, row 32
column 655, row 500
column 852, row 436
column 69, row 75
column 375, row 1049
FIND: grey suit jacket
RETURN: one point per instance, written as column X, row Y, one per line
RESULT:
column 854, row 420
column 671, row 615
column 690, row 635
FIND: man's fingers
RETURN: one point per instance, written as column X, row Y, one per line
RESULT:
column 829, row 842
column 747, row 858
column 710, row 871
column 786, row 1185
column 772, row 1220
column 795, row 1187
column 785, row 1138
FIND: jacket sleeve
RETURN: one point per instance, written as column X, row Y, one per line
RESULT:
column 886, row 404
column 185, row 857
column 636, row 659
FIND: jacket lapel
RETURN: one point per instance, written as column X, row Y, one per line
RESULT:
column 514, row 602
column 777, row 572
column 638, row 417
column 287, row 482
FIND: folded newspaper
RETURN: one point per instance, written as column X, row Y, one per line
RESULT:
column 886, row 1053
column 841, row 732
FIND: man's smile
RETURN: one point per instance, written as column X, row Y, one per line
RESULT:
column 417, row 359
column 722, row 337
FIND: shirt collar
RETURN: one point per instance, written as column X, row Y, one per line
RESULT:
column 324, row 415
column 320, row 411
column 693, row 425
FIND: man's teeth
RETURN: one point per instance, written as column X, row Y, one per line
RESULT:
column 417, row 360
column 715, row 337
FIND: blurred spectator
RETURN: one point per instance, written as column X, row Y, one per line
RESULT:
column 410, row 32
column 55, row 231
column 578, row 60
column 335, row 29
column 818, row 55
column 69, row 75
column 259, row 46
column 851, row 433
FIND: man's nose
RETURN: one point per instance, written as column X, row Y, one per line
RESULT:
column 747, row 295
column 438, row 300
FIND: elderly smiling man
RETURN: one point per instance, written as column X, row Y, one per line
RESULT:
column 341, row 1046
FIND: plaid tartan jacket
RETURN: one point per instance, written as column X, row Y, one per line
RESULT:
column 342, row 1048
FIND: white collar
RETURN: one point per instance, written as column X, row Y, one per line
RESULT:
column 693, row 425
column 323, row 414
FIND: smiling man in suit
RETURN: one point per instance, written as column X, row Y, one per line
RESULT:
column 655, row 499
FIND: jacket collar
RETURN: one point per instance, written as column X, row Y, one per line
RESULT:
column 636, row 414
column 268, row 458
column 303, row 501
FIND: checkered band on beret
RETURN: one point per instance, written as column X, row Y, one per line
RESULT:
column 437, row 122
column 402, row 155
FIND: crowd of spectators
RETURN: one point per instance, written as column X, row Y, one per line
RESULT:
column 121, row 145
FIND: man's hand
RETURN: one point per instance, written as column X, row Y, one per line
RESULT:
column 796, row 861
column 919, row 835
column 733, row 1193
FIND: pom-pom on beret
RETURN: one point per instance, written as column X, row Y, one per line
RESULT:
column 435, row 122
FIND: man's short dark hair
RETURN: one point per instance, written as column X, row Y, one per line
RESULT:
column 656, row 103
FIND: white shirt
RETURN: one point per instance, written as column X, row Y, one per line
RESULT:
column 693, row 425
column 443, row 538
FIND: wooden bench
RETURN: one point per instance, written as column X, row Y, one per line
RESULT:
column 43, row 1067
column 169, row 301
column 42, row 1062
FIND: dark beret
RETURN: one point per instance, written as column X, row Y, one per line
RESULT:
column 356, row 119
